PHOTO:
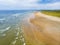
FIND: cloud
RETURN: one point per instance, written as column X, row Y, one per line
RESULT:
column 17, row 4
column 28, row 4
column 55, row 5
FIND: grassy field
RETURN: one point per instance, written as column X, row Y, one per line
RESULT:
column 52, row 12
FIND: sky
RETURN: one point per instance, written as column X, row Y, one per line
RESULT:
column 29, row 4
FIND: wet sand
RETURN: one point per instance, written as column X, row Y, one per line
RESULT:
column 41, row 31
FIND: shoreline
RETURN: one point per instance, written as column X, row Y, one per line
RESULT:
column 42, row 30
column 53, row 18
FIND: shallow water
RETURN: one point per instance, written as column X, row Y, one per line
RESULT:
column 10, row 27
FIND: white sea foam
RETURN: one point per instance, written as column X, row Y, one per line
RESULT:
column 14, row 42
column 23, row 39
column 17, row 34
column 7, row 28
column 16, row 38
column 3, row 30
column 24, row 43
column 15, row 15
column 3, row 34
column 21, row 36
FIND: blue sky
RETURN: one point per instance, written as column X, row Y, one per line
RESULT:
column 29, row 4
column 48, row 1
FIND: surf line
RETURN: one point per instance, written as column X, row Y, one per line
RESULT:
column 16, row 38
column 22, row 37
column 14, row 42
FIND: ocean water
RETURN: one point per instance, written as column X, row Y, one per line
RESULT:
column 10, row 26
column 9, row 18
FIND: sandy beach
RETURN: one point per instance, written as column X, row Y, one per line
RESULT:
column 40, row 30
column 30, row 28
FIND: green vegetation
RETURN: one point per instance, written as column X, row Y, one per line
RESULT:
column 52, row 12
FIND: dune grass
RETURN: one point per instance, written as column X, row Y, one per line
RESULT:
column 52, row 12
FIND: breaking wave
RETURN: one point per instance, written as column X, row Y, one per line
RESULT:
column 3, row 30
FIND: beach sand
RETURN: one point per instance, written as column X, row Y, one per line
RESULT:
column 34, row 28
column 41, row 31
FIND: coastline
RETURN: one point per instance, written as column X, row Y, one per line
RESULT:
column 53, row 18
column 42, row 31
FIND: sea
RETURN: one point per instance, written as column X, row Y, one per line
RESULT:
column 9, row 18
column 10, row 26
